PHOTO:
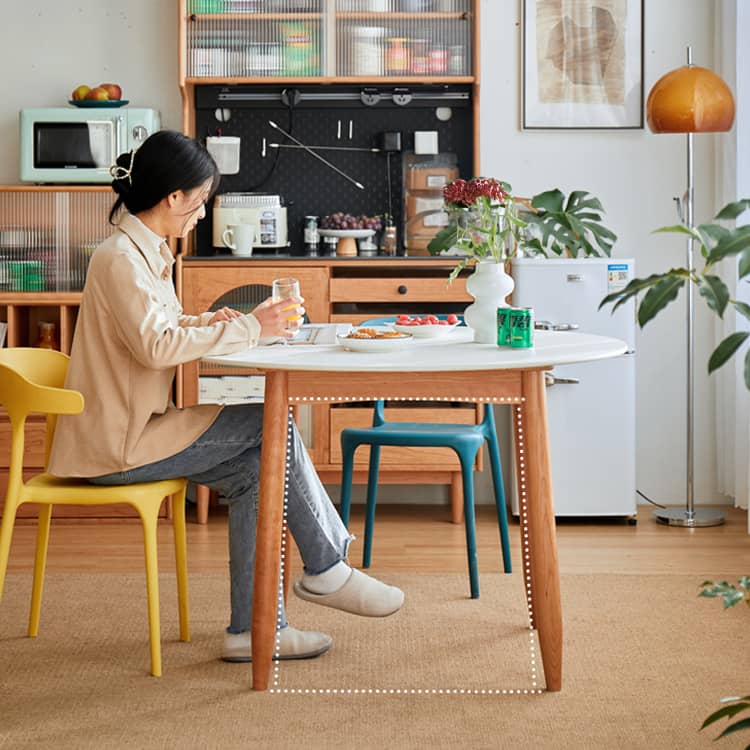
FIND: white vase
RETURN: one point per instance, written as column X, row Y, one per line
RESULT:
column 489, row 285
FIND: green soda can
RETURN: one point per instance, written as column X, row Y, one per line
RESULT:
column 522, row 327
column 503, row 326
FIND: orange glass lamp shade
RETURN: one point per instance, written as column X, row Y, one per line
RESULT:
column 690, row 99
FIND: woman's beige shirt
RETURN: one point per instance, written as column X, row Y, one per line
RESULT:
column 130, row 336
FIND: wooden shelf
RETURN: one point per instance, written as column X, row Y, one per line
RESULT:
column 254, row 16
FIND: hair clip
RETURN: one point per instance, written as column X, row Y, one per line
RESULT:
column 120, row 173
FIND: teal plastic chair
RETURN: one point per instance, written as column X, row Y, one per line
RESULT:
column 465, row 440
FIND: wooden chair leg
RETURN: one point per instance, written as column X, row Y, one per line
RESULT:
column 457, row 498
column 202, row 497
column 40, row 563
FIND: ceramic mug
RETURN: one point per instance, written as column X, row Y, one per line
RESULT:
column 240, row 238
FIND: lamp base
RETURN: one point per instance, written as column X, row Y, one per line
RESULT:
column 682, row 517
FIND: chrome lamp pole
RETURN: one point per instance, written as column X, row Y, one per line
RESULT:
column 690, row 100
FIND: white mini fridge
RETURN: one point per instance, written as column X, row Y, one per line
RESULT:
column 590, row 406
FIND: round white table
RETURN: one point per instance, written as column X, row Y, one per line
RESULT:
column 450, row 368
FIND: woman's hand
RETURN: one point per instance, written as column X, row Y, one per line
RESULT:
column 225, row 313
column 279, row 318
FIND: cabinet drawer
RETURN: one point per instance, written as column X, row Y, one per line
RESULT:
column 398, row 289
column 390, row 457
column 33, row 455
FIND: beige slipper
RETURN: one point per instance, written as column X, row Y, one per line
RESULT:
column 293, row 644
column 360, row 595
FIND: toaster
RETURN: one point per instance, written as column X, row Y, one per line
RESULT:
column 262, row 210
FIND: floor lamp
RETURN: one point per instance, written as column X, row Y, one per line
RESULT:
column 690, row 100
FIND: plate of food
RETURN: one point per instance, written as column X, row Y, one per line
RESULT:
column 373, row 339
column 426, row 326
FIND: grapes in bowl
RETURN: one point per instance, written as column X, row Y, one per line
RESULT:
column 344, row 221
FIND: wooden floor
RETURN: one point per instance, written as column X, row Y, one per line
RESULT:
column 417, row 539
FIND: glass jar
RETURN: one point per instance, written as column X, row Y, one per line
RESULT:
column 438, row 60
column 367, row 49
column 396, row 57
column 47, row 336
column 389, row 240
column 419, row 57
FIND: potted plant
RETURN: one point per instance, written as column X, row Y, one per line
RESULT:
column 716, row 243
column 731, row 596
column 488, row 225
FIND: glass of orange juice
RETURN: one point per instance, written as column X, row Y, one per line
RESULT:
column 285, row 288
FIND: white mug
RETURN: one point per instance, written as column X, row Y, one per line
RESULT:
column 240, row 238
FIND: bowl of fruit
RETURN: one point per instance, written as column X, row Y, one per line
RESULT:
column 425, row 326
column 348, row 228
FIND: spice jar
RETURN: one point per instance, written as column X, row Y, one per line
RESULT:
column 389, row 240
column 396, row 57
column 47, row 336
column 419, row 59
column 368, row 50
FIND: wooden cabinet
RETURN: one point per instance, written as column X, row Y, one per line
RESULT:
column 413, row 41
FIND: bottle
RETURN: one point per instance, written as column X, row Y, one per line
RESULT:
column 312, row 238
column 389, row 240
column 368, row 50
column 47, row 336
column 396, row 57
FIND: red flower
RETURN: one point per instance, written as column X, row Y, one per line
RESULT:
column 463, row 193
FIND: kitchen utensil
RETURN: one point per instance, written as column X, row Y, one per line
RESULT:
column 316, row 155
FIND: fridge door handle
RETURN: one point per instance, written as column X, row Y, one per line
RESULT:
column 548, row 325
column 550, row 380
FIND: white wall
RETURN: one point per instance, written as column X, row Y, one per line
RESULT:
column 635, row 174
column 47, row 48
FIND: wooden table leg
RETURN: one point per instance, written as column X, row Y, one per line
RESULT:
column 268, row 534
column 545, row 574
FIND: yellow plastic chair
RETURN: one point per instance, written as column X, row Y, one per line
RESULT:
column 31, row 381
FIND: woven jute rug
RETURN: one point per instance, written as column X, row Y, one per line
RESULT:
column 645, row 662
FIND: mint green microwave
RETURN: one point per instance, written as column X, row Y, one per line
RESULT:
column 78, row 145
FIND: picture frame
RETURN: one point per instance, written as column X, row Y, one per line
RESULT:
column 582, row 64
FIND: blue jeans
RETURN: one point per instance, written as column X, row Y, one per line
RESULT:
column 226, row 458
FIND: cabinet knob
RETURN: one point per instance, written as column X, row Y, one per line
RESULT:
column 403, row 289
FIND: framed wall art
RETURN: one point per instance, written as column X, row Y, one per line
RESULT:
column 582, row 64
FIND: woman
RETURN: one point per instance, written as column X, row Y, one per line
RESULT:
column 130, row 336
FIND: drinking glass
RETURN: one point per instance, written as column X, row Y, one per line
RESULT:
column 285, row 288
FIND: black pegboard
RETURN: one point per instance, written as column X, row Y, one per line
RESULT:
column 307, row 185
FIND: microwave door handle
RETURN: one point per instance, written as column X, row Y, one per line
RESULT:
column 118, row 140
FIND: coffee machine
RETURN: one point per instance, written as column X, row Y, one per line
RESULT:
column 264, row 211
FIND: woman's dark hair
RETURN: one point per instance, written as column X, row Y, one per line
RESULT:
column 165, row 162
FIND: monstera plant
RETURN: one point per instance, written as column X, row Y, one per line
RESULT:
column 716, row 242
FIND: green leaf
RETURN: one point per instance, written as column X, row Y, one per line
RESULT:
column 733, row 210
column 736, row 727
column 732, row 243
column 633, row 287
column 743, row 268
column 715, row 292
column 726, row 349
column 745, row 583
column 726, row 712
column 443, row 240
column 578, row 201
column 658, row 297
column 743, row 308
column 679, row 229
column 551, row 200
